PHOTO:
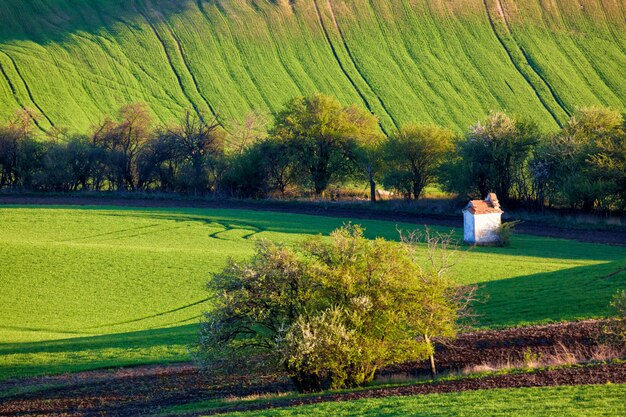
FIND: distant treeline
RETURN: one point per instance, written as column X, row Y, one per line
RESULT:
column 315, row 143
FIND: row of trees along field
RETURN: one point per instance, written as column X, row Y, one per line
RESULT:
column 315, row 143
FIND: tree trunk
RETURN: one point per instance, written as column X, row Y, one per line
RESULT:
column 417, row 190
column 433, row 367
column 431, row 357
column 372, row 185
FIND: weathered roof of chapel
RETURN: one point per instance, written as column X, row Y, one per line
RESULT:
column 487, row 206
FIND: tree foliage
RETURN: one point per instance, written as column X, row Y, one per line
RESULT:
column 314, row 143
column 323, row 135
column 493, row 157
column 413, row 156
column 584, row 165
column 333, row 311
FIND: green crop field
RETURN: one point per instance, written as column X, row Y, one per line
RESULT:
column 83, row 288
column 583, row 401
column 77, row 61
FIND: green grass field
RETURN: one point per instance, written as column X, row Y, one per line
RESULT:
column 77, row 61
column 583, row 401
column 83, row 288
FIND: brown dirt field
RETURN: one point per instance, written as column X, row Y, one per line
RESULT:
column 148, row 389
column 611, row 237
column 509, row 346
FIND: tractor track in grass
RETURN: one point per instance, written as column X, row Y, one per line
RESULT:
column 29, row 92
column 518, row 66
column 611, row 29
column 354, row 64
column 147, row 390
column 166, row 52
column 604, row 236
column 237, row 47
column 181, row 52
column 14, row 90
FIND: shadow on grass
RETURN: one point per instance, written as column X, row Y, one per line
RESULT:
column 97, row 352
column 56, row 20
column 180, row 335
column 565, row 295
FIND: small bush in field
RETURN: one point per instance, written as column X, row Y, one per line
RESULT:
column 333, row 311
column 619, row 306
column 505, row 231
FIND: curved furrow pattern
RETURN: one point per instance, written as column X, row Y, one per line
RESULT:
column 169, row 58
column 181, row 52
column 298, row 81
column 345, row 71
column 342, row 37
column 248, row 79
column 437, row 61
column 604, row 89
column 29, row 93
column 501, row 38
column 16, row 97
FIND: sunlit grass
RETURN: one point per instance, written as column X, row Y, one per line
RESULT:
column 84, row 288
column 417, row 60
column 583, row 401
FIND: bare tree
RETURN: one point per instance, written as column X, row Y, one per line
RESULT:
column 248, row 131
column 448, row 304
column 201, row 141
column 123, row 141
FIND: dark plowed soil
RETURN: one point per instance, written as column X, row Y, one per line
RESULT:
column 146, row 390
column 516, row 346
column 611, row 237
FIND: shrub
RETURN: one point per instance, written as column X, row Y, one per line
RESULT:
column 320, row 353
column 619, row 306
column 331, row 312
column 505, row 231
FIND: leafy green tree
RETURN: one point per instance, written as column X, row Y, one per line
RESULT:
column 584, row 165
column 245, row 175
column 70, row 164
column 278, row 164
column 494, row 157
column 332, row 312
column 323, row 135
column 414, row 155
column 261, row 169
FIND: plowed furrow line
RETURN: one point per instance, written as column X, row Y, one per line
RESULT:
column 28, row 92
column 343, row 68
column 517, row 65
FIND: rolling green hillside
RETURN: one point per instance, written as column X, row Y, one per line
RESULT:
column 449, row 62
